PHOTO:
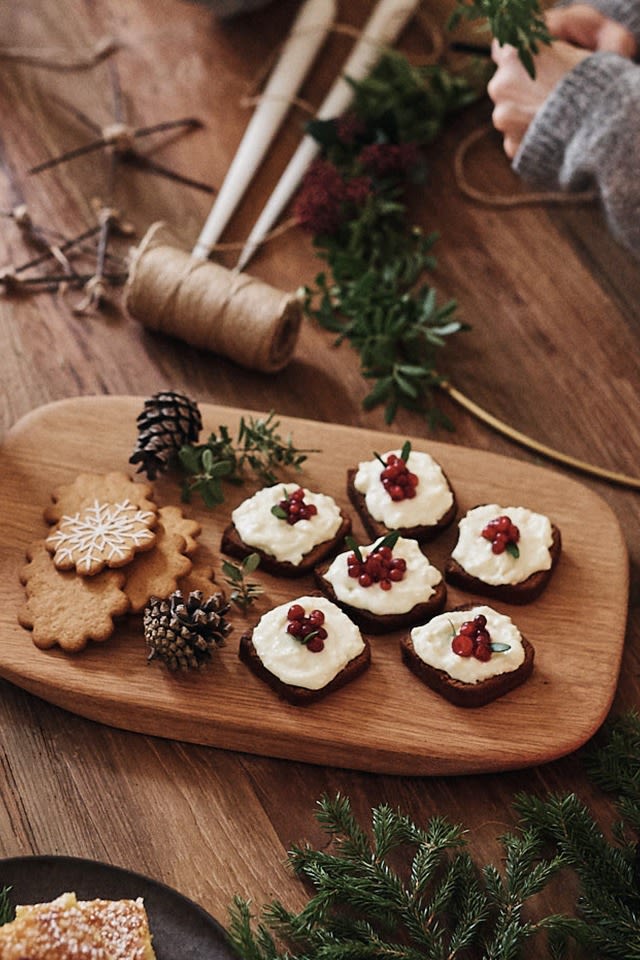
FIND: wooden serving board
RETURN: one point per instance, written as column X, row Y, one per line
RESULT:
column 387, row 721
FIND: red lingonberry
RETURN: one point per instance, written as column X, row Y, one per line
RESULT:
column 473, row 639
column 501, row 533
column 379, row 566
column 397, row 479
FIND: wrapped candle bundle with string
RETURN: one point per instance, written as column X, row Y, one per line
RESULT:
column 225, row 311
column 209, row 306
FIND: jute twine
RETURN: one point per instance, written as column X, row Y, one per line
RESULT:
column 209, row 306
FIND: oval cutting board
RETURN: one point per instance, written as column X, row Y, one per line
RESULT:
column 387, row 721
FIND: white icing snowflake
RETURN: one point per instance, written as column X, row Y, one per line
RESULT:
column 102, row 535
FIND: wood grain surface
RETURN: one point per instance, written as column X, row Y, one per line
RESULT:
column 553, row 348
column 386, row 721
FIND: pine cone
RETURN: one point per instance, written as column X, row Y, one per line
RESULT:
column 167, row 422
column 182, row 633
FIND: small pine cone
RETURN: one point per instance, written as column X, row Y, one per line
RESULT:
column 183, row 633
column 167, row 422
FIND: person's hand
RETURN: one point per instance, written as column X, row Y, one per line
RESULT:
column 516, row 97
column 586, row 27
column 579, row 30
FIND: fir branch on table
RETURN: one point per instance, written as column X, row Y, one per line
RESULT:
column 519, row 23
column 353, row 200
column 259, row 450
column 243, row 591
column 408, row 892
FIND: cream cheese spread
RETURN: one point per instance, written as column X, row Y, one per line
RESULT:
column 475, row 555
column 258, row 527
column 432, row 643
column 432, row 500
column 417, row 585
column 290, row 660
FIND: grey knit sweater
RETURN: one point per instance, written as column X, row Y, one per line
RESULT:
column 587, row 134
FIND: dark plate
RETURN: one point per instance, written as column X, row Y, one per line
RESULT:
column 181, row 929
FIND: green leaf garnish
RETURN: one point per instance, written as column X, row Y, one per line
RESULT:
column 353, row 546
column 389, row 540
column 406, row 450
column 279, row 511
column 512, row 550
column 499, row 647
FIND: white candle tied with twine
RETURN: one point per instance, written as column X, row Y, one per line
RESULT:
column 201, row 302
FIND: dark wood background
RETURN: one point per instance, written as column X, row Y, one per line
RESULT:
column 552, row 301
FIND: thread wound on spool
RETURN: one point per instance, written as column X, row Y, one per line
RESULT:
column 209, row 306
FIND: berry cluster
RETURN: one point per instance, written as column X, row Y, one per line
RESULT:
column 307, row 629
column 380, row 567
column 293, row 508
column 473, row 640
column 397, row 479
column 503, row 534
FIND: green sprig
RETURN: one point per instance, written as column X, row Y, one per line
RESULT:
column 6, row 907
column 243, row 591
column 374, row 294
column 259, row 450
column 519, row 23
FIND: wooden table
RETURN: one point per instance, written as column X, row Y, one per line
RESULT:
column 554, row 347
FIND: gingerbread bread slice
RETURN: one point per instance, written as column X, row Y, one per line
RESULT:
column 375, row 528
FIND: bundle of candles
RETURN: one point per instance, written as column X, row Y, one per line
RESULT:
column 228, row 311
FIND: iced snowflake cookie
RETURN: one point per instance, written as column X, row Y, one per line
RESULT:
column 289, row 527
column 101, row 535
column 507, row 553
column 65, row 609
column 384, row 586
column 403, row 490
column 470, row 656
column 305, row 649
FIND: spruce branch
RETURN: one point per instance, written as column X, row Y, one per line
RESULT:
column 6, row 907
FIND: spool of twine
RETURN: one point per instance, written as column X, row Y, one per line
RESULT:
column 207, row 305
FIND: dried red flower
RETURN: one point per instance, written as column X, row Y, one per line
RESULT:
column 389, row 159
column 321, row 204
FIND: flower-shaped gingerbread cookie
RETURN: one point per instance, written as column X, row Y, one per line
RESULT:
column 100, row 535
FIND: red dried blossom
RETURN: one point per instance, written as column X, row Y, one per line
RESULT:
column 389, row 159
column 324, row 197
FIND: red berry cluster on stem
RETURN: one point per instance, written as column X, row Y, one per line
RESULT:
column 473, row 639
column 295, row 508
column 307, row 629
column 380, row 566
column 397, row 479
column 502, row 534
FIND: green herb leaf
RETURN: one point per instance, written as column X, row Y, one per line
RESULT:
column 279, row 512
column 499, row 647
column 513, row 550
column 406, row 450
column 353, row 546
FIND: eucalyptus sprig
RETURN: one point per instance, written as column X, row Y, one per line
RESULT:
column 259, row 450
column 397, row 889
column 519, row 23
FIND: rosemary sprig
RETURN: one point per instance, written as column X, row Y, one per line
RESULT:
column 409, row 892
column 259, row 450
column 519, row 23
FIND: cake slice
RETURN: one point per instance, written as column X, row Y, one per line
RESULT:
column 70, row 929
column 384, row 586
column 290, row 528
column 506, row 553
column 305, row 650
column 470, row 656
column 404, row 490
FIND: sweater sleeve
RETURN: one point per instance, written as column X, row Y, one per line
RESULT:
column 587, row 135
column 626, row 12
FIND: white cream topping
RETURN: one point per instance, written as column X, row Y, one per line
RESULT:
column 432, row 500
column 417, row 585
column 475, row 555
column 432, row 643
column 290, row 660
column 258, row 527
